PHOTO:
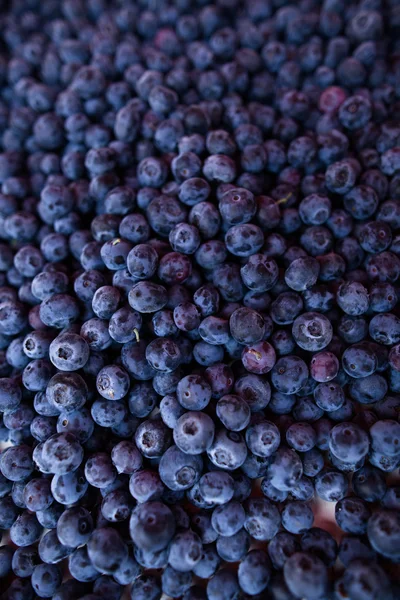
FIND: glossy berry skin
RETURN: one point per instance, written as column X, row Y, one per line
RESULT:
column 185, row 551
column 359, row 361
column 25, row 530
column 163, row 355
column 297, row 517
column 259, row 358
column 289, row 374
column 37, row 494
column 228, row 450
column 302, row 273
column 301, row 437
column 348, row 442
column 193, row 392
column 263, row 438
column 179, row 471
column 69, row 352
column 262, row 519
column 331, row 485
column 247, row 326
column 324, row 367
column 194, row 432
column 307, row 574
column 385, row 437
column 329, row 396
column 152, row 438
column 99, row 547
column 113, row 382
column 285, row 469
column 152, row 526
column 63, row 452
column 254, row 572
column 224, row 579
column 352, row 515
column 259, row 273
column 45, row 580
column 233, row 412
column 68, row 489
column 99, row 470
column 312, row 331
column 217, row 487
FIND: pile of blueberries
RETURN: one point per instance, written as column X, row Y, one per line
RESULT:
column 199, row 284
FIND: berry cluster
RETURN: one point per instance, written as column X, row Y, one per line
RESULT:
column 199, row 284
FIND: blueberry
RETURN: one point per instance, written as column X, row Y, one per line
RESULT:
column 385, row 437
column 233, row 548
column 145, row 485
column 262, row 519
column 358, row 573
column 124, row 325
column 302, row 273
column 306, row 574
column 186, row 316
column 113, row 382
column 105, row 586
column 352, row 515
column 312, row 331
column 9, row 512
column 152, row 526
column 228, row 450
column 331, row 485
column 133, row 358
column 217, row 487
column 179, row 471
column 25, row 530
column 259, row 358
column 6, row 556
column 263, row 438
column 116, row 506
column 297, row 517
column 69, row 352
column 321, row 543
column 127, row 571
column 201, row 524
column 164, row 212
column 194, row 432
column 301, row 437
column 48, row 517
column 107, row 415
column 105, row 301
column 37, row 494
column 66, row 392
column 99, row 470
column 348, row 442
column 146, row 587
column 223, row 584
column 329, row 396
column 145, row 297
column 10, row 394
column 80, row 565
column 185, row 551
column 285, row 469
column 142, row 261
column 63, row 452
column 16, row 462
column 74, row 527
column 384, row 328
column 359, row 361
column 99, row 548
column 289, row 374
